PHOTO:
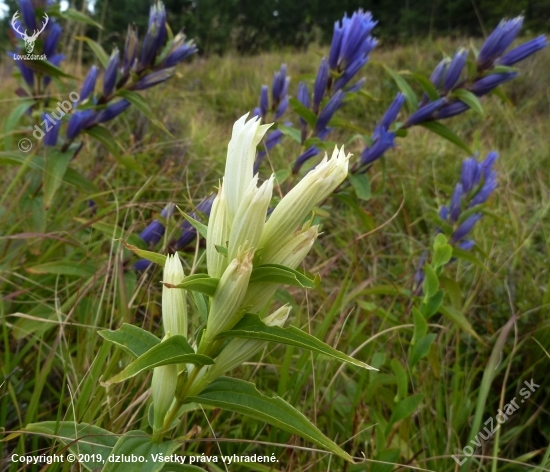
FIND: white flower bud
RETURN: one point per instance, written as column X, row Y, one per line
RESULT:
column 174, row 306
column 290, row 254
column 217, row 235
column 239, row 165
column 249, row 221
column 315, row 187
column 163, row 388
column 236, row 352
column 224, row 309
column 294, row 250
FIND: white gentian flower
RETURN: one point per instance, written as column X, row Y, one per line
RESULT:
column 249, row 221
column 174, row 304
column 224, row 309
column 315, row 187
column 239, row 165
column 163, row 388
column 217, row 235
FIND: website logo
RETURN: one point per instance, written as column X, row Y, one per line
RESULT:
column 29, row 40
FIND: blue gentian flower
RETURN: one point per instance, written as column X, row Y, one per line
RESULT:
column 112, row 111
column 392, row 111
column 456, row 200
column 426, row 112
column 320, row 87
column 89, row 83
column 264, row 101
column 523, row 51
column 304, row 157
column 80, row 120
column 328, row 111
column 110, row 76
column 465, row 227
column 50, row 43
column 455, row 70
column 498, row 41
column 484, row 85
column 156, row 35
column 383, row 141
column 50, row 138
column 154, row 78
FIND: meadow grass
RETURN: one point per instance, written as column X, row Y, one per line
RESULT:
column 52, row 360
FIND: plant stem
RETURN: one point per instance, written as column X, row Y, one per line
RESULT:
column 173, row 412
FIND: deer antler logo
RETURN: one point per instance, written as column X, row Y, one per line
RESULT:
column 29, row 40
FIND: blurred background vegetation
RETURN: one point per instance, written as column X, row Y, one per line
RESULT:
column 251, row 26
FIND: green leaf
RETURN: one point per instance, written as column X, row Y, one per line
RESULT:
column 431, row 283
column 279, row 274
column 82, row 438
column 72, row 14
column 56, row 163
column 405, row 88
column 252, row 327
column 401, row 378
column 309, row 117
column 141, row 104
column 96, row 49
column 421, row 349
column 361, row 184
column 459, row 319
column 174, row 350
column 12, row 120
column 75, row 268
column 431, row 305
column 105, row 137
column 293, row 133
column 47, row 68
column 446, row 133
column 135, row 341
column 403, row 409
column 138, row 443
column 427, row 86
column 243, row 397
column 468, row 256
column 201, row 305
column 420, row 325
column 469, row 99
column 201, row 283
column 149, row 255
column 442, row 255
column 202, row 229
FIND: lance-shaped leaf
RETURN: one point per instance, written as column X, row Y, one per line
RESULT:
column 174, row 350
column 252, row 327
column 201, row 228
column 243, row 397
column 139, row 444
column 280, row 274
column 82, row 438
column 149, row 255
column 446, row 133
column 201, row 283
column 135, row 341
